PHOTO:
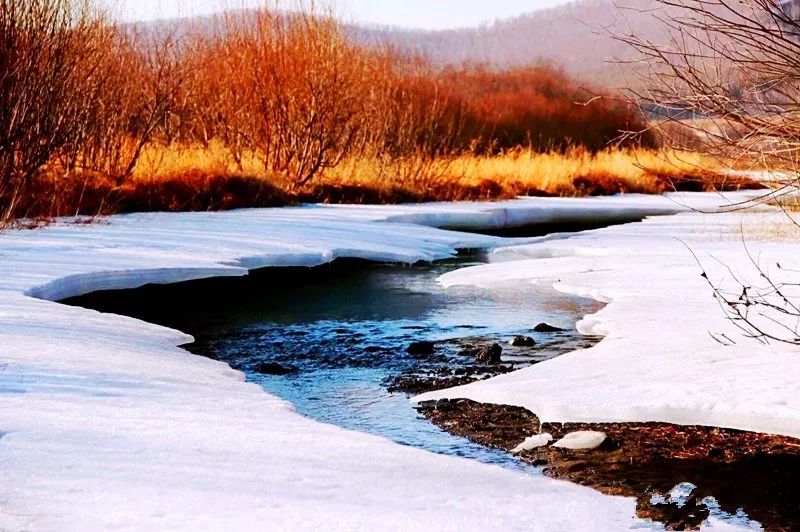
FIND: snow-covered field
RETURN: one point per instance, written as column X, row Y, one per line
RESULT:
column 106, row 424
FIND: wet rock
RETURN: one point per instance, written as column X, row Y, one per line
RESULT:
column 272, row 368
column 646, row 461
column 424, row 406
column 689, row 514
column 582, row 440
column 444, row 405
column 491, row 425
column 522, row 341
column 421, row 348
column 489, row 355
column 421, row 380
column 547, row 328
column 415, row 385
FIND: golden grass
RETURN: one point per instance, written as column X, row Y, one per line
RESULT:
column 562, row 173
column 780, row 228
column 198, row 178
column 159, row 162
column 574, row 173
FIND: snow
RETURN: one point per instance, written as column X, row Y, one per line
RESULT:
column 533, row 442
column 581, row 440
column 664, row 356
column 107, row 424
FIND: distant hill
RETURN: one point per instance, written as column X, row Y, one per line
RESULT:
column 578, row 36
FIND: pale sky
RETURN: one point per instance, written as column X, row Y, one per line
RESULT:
column 430, row 14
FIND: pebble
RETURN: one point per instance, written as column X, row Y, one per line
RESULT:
column 421, row 348
column 522, row 341
column 546, row 327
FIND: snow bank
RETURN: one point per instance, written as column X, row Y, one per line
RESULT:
column 659, row 360
column 106, row 424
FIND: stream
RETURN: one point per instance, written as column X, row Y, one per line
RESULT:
column 343, row 331
column 339, row 335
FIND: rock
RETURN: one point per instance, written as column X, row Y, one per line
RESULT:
column 522, row 341
column 489, row 355
column 421, row 348
column 426, row 405
column 583, row 440
column 444, row 405
column 534, row 442
column 544, row 327
column 272, row 368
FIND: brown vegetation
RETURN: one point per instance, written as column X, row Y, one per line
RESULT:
column 276, row 108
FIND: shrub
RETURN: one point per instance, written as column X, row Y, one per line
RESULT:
column 49, row 55
column 291, row 88
column 540, row 107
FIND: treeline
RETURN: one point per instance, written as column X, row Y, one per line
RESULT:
column 82, row 99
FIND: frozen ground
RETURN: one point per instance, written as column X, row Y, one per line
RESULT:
column 106, row 424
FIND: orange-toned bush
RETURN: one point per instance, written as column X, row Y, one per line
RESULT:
column 145, row 90
column 539, row 107
column 80, row 99
column 291, row 88
column 49, row 54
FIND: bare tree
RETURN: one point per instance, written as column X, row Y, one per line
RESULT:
column 729, row 71
column 48, row 49
column 288, row 87
column 142, row 94
column 729, row 74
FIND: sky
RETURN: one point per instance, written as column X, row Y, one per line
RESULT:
column 428, row 14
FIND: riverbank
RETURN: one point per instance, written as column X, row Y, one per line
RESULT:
column 688, row 398
column 650, row 461
column 107, row 424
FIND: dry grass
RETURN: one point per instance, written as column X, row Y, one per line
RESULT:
column 208, row 178
column 779, row 229
column 577, row 172
column 553, row 172
column 159, row 162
